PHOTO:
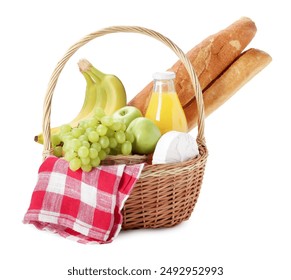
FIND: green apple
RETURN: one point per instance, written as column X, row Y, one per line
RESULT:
column 146, row 135
column 127, row 114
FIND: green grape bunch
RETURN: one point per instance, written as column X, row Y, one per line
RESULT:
column 86, row 145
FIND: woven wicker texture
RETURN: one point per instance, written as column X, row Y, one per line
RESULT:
column 166, row 194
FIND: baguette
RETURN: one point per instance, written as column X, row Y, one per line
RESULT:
column 209, row 59
column 247, row 65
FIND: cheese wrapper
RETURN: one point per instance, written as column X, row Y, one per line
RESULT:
column 174, row 147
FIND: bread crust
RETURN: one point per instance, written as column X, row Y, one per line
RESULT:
column 209, row 58
column 243, row 69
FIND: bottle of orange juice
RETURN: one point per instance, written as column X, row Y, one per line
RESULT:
column 164, row 108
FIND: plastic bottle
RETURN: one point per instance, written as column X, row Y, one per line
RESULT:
column 164, row 108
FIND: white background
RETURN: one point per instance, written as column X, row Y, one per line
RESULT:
column 242, row 219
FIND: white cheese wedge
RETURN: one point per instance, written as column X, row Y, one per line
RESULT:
column 175, row 146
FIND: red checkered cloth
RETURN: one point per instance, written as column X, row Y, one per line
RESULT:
column 83, row 206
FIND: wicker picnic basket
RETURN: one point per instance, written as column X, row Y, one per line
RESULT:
column 164, row 195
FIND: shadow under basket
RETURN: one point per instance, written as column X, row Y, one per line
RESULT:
column 165, row 194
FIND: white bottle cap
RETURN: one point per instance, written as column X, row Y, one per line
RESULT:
column 164, row 75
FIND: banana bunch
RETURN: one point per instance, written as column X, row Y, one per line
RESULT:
column 112, row 95
column 104, row 91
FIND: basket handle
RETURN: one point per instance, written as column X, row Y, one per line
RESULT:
column 47, row 149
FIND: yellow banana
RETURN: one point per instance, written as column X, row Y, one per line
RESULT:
column 89, row 104
column 91, row 97
column 116, row 95
column 101, row 94
column 113, row 87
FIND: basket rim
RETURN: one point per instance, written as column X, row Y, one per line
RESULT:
column 156, row 170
